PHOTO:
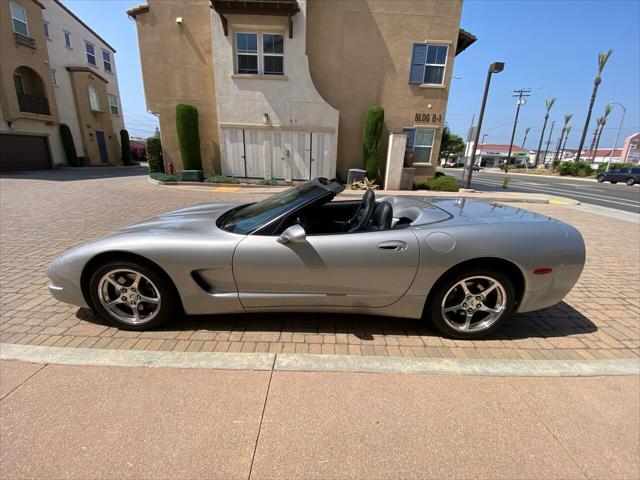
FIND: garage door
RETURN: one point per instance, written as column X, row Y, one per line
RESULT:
column 23, row 152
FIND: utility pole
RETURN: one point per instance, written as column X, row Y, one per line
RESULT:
column 564, row 145
column 544, row 159
column 521, row 95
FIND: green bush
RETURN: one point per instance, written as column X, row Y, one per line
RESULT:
column 268, row 181
column 164, row 177
column 222, row 179
column 442, row 183
column 371, row 135
column 188, row 136
column 68, row 145
column 125, row 146
column 154, row 155
column 603, row 166
column 575, row 169
column 439, row 174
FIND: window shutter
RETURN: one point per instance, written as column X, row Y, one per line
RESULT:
column 418, row 58
column 411, row 136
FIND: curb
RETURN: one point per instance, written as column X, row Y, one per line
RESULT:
column 291, row 362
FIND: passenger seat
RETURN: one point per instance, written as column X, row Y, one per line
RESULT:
column 382, row 217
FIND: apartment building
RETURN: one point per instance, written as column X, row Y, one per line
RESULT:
column 54, row 69
column 282, row 86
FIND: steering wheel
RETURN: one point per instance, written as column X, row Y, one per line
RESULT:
column 363, row 215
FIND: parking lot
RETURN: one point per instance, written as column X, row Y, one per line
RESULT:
column 44, row 213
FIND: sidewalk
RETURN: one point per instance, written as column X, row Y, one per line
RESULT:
column 135, row 422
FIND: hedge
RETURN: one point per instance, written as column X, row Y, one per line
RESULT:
column 68, row 145
column 371, row 135
column 575, row 169
column 222, row 179
column 188, row 136
column 125, row 148
column 443, row 183
column 603, row 166
column 164, row 177
column 154, row 155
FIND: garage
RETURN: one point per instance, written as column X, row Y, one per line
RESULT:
column 24, row 152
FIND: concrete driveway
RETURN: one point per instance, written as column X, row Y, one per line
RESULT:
column 44, row 213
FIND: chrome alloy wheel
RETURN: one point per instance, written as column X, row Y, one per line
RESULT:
column 129, row 296
column 474, row 304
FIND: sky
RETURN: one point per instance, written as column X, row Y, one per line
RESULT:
column 549, row 46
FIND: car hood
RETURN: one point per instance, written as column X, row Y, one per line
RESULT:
column 195, row 220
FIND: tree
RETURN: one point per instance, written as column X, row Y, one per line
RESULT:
column 549, row 104
column 125, row 152
column 567, row 119
column 188, row 136
column 68, row 145
column 450, row 144
column 526, row 134
column 603, row 122
column 154, row 155
column 602, row 61
column 371, row 135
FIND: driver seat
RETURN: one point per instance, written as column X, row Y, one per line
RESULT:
column 382, row 217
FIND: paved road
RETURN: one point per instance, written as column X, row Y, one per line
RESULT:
column 619, row 196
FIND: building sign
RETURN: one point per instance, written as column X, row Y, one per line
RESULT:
column 433, row 118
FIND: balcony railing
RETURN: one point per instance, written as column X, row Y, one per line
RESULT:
column 33, row 104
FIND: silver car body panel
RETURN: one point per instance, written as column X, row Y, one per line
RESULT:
column 389, row 272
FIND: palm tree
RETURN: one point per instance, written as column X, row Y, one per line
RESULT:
column 524, row 140
column 564, row 146
column 602, row 61
column 603, row 121
column 595, row 136
column 567, row 119
column 549, row 103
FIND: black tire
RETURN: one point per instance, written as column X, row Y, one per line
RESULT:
column 434, row 309
column 167, row 294
column 600, row 178
column 630, row 181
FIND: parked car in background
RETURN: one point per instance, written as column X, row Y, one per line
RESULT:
column 628, row 175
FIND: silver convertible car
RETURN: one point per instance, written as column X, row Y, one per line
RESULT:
column 462, row 264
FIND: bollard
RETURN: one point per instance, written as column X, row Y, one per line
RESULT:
column 505, row 182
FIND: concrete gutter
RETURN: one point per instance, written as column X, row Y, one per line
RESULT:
column 319, row 363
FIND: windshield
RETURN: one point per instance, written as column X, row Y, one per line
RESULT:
column 247, row 218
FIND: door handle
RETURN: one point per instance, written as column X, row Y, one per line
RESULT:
column 393, row 245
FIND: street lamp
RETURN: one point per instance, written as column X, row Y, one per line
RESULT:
column 484, row 137
column 624, row 111
column 495, row 67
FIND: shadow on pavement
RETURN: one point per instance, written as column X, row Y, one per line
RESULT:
column 69, row 174
column 558, row 321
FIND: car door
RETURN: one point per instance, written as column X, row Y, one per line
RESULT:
column 367, row 269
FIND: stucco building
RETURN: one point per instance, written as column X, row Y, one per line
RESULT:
column 55, row 69
column 282, row 86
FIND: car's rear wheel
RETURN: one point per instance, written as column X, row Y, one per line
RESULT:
column 600, row 178
column 471, row 304
column 132, row 295
column 630, row 181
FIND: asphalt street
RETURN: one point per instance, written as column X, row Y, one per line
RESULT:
column 619, row 196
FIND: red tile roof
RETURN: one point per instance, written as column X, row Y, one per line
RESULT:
column 495, row 147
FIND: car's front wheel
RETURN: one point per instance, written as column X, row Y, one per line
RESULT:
column 600, row 178
column 471, row 304
column 630, row 181
column 132, row 295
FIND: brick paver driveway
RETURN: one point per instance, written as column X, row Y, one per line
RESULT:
column 44, row 213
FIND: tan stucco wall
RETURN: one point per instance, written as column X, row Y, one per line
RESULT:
column 177, row 67
column 359, row 55
column 91, row 121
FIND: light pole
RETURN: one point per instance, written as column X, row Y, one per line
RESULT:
column 521, row 94
column 484, row 136
column 624, row 111
column 495, row 67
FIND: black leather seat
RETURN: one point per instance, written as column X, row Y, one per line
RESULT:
column 382, row 217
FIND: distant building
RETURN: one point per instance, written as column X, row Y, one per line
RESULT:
column 631, row 149
column 495, row 155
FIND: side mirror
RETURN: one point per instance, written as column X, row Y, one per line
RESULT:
column 293, row 234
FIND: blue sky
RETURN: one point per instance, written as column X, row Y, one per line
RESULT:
column 550, row 46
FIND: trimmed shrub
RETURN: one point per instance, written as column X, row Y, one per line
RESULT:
column 68, row 145
column 438, row 174
column 603, row 166
column 188, row 136
column 125, row 148
column 268, row 181
column 575, row 169
column 164, row 177
column 371, row 135
column 443, row 183
column 222, row 179
column 154, row 155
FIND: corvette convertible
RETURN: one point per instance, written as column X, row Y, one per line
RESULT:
column 462, row 264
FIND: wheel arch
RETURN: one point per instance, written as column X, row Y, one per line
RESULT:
column 509, row 268
column 117, row 255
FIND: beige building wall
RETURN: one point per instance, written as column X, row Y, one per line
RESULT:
column 177, row 67
column 359, row 56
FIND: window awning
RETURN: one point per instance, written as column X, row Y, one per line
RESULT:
column 465, row 39
column 282, row 8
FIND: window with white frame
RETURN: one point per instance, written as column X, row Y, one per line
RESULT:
column 54, row 78
column 45, row 30
column 428, row 63
column 423, row 145
column 91, row 53
column 260, row 53
column 247, row 52
column 106, row 61
column 113, row 104
column 67, row 39
column 94, row 99
column 19, row 19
